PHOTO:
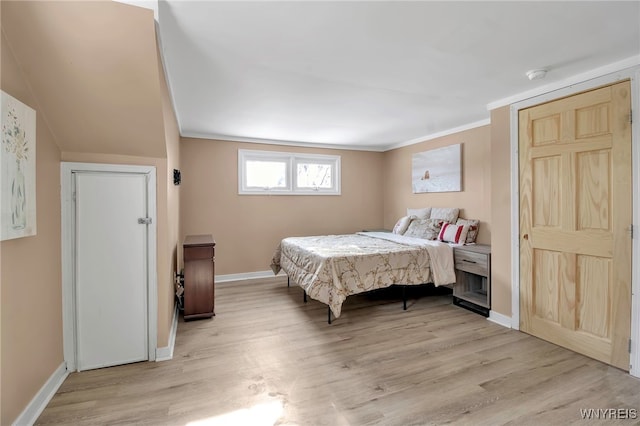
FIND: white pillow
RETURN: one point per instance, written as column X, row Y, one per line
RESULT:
column 402, row 224
column 456, row 234
column 420, row 213
column 448, row 214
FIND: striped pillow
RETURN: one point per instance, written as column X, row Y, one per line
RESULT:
column 456, row 234
column 474, row 226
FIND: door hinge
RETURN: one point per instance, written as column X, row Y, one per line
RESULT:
column 629, row 345
column 631, row 231
column 631, row 116
column 144, row 220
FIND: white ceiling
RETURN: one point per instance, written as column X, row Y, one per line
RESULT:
column 374, row 75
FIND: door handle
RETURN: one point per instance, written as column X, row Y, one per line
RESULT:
column 525, row 236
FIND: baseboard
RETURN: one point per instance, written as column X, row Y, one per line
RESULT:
column 246, row 276
column 499, row 319
column 39, row 402
column 166, row 353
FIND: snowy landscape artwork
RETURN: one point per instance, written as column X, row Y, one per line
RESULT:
column 437, row 170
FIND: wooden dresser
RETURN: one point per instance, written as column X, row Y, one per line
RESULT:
column 199, row 263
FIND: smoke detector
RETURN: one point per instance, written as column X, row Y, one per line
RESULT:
column 536, row 74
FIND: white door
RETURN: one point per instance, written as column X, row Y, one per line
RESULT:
column 110, row 268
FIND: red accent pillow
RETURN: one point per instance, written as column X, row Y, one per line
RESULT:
column 456, row 234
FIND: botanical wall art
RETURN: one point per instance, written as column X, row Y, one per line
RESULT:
column 17, row 169
column 437, row 170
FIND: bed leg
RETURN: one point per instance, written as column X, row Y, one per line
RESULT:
column 328, row 315
column 288, row 283
column 305, row 297
column 404, row 297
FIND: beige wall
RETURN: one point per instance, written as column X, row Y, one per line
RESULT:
column 31, row 322
column 172, row 140
column 247, row 228
column 93, row 67
column 475, row 198
column 501, row 211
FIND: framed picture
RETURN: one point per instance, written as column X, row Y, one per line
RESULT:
column 17, row 169
column 437, row 170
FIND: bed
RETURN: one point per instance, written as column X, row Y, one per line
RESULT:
column 330, row 268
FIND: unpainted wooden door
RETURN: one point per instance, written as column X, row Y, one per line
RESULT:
column 575, row 217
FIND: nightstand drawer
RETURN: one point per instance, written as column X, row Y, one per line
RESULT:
column 476, row 263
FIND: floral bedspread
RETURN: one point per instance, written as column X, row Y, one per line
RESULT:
column 329, row 268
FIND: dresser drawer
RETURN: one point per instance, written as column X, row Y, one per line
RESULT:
column 476, row 263
column 195, row 253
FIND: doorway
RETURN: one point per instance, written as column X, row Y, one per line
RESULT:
column 109, row 258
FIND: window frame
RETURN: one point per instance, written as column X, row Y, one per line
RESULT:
column 292, row 160
column 245, row 155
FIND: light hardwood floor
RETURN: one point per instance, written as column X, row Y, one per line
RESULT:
column 267, row 358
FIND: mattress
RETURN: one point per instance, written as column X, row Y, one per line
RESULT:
column 332, row 267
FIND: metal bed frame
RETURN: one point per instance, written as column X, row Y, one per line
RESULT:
column 404, row 299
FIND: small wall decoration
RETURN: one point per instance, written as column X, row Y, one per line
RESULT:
column 17, row 169
column 437, row 170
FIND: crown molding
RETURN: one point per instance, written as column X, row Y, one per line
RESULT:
column 436, row 135
column 214, row 136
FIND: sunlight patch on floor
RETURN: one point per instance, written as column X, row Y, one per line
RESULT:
column 265, row 414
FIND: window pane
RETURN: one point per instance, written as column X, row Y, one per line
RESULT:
column 312, row 175
column 266, row 174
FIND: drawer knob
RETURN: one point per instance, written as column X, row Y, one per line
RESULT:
column 525, row 236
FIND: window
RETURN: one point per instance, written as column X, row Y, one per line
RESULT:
column 268, row 172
